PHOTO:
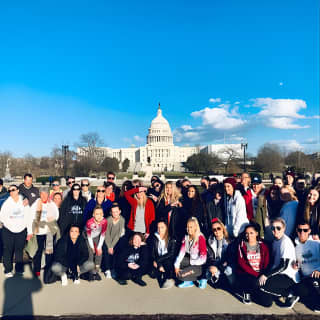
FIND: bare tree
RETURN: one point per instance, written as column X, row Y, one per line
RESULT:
column 269, row 158
column 230, row 157
column 89, row 144
column 89, row 153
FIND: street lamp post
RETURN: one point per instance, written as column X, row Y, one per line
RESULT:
column 244, row 146
column 65, row 149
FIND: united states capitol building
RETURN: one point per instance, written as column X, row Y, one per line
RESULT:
column 160, row 152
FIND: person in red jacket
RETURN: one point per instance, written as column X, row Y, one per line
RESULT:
column 142, row 210
column 253, row 260
column 247, row 194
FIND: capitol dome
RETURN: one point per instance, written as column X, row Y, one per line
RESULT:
column 159, row 131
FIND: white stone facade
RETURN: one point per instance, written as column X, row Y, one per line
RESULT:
column 160, row 150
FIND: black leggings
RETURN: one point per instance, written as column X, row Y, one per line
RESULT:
column 246, row 283
column 308, row 289
column 13, row 243
column 279, row 285
column 41, row 240
column 128, row 274
column 163, row 276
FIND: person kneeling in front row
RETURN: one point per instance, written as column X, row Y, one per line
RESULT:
column 71, row 254
column 192, row 256
column 133, row 262
column 163, row 255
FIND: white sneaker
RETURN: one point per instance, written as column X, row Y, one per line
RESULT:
column 108, row 274
column 76, row 281
column 64, row 279
column 8, row 275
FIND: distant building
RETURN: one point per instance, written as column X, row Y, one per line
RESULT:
column 160, row 152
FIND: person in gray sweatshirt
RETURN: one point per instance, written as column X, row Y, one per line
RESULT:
column 115, row 231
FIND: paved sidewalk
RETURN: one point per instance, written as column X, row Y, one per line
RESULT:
column 21, row 296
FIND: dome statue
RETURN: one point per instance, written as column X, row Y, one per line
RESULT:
column 160, row 131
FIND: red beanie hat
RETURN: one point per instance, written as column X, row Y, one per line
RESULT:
column 231, row 181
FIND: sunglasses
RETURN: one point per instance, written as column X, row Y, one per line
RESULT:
column 302, row 230
column 55, row 185
column 84, row 185
column 70, row 182
column 101, row 190
column 276, row 228
column 11, row 190
column 76, row 189
column 216, row 229
column 110, row 178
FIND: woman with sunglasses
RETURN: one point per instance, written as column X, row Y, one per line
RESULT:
column 17, row 228
column 142, row 210
column 99, row 200
column 55, row 189
column 217, row 268
column 85, row 192
column 281, row 276
column 253, row 261
column 72, row 209
column 311, row 212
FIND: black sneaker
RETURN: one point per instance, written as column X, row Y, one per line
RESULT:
column 96, row 277
column 122, row 282
column 139, row 281
column 214, row 279
column 291, row 301
column 246, row 299
column 316, row 308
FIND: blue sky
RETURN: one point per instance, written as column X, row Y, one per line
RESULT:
column 221, row 69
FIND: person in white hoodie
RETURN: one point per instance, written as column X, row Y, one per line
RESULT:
column 308, row 262
column 17, row 228
column 45, row 215
column 235, row 209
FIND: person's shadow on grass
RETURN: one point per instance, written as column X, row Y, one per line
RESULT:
column 17, row 302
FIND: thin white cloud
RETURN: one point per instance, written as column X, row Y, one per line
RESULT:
column 214, row 100
column 283, row 123
column 186, row 127
column 280, row 107
column 219, row 118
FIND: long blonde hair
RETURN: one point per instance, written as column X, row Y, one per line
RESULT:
column 176, row 195
column 143, row 199
column 198, row 232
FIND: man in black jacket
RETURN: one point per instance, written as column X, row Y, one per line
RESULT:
column 27, row 189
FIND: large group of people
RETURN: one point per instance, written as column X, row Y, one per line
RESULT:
column 261, row 244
